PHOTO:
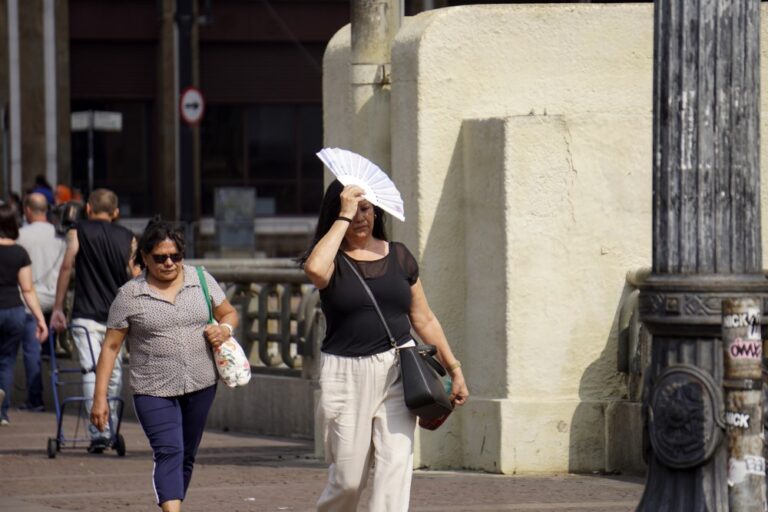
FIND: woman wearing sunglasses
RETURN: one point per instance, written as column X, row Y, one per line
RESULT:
column 164, row 316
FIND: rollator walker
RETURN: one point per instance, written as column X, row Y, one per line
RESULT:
column 59, row 380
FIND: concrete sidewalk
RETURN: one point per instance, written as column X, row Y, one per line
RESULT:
column 237, row 472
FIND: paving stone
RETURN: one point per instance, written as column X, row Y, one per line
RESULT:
column 239, row 472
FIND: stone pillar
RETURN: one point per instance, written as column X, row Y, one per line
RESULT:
column 706, row 238
column 32, row 94
column 374, row 25
column 167, row 114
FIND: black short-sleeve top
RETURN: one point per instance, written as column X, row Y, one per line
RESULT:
column 12, row 259
column 353, row 326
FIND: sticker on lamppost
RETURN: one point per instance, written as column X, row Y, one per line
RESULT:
column 191, row 105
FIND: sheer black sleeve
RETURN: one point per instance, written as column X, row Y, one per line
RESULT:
column 407, row 262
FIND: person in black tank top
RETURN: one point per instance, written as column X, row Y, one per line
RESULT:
column 15, row 274
column 363, row 411
column 101, row 254
column 100, row 267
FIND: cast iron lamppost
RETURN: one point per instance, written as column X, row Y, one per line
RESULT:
column 706, row 240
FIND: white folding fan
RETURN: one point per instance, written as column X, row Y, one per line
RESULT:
column 353, row 169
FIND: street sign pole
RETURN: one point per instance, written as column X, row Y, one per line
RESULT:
column 184, row 21
column 191, row 108
column 743, row 384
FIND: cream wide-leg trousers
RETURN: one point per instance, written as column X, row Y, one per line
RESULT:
column 365, row 421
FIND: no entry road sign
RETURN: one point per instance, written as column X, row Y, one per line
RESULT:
column 191, row 105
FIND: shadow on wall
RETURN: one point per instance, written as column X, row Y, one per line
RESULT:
column 606, row 429
column 444, row 256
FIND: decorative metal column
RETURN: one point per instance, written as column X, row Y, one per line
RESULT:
column 706, row 239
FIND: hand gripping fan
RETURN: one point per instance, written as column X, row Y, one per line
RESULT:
column 353, row 169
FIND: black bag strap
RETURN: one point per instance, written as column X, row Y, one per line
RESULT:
column 428, row 352
column 351, row 265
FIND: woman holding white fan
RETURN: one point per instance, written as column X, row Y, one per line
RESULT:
column 364, row 415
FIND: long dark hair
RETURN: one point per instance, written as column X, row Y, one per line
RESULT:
column 9, row 224
column 156, row 231
column 329, row 210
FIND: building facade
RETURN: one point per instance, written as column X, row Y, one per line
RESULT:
column 257, row 64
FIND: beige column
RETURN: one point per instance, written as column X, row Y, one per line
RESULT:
column 34, row 145
column 4, row 92
column 374, row 25
column 14, row 96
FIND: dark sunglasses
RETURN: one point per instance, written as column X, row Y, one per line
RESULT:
column 160, row 258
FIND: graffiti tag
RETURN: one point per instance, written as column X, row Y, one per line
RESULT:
column 737, row 419
column 738, row 469
column 746, row 349
column 749, row 319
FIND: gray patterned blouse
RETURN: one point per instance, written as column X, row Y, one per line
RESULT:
column 169, row 354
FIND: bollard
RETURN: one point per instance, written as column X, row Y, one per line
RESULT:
column 742, row 344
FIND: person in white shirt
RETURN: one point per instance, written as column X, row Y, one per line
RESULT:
column 46, row 250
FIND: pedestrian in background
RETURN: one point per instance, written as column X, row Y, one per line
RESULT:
column 46, row 251
column 43, row 187
column 15, row 201
column 101, row 254
column 15, row 274
column 172, row 373
column 364, row 416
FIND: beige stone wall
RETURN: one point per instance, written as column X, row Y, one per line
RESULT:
column 521, row 142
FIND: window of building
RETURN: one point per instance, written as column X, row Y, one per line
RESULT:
column 121, row 160
column 269, row 147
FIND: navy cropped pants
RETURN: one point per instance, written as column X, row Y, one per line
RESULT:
column 174, row 427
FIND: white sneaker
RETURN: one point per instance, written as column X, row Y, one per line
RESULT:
column 4, row 422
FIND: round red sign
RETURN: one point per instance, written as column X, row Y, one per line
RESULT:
column 191, row 105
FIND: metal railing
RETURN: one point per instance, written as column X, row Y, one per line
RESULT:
column 265, row 237
column 280, row 320
column 281, row 325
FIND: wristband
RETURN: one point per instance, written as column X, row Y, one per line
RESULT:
column 231, row 329
column 341, row 217
column 456, row 364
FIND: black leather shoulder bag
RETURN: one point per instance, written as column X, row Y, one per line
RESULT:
column 423, row 387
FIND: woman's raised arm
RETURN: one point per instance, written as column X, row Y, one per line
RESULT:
column 319, row 266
